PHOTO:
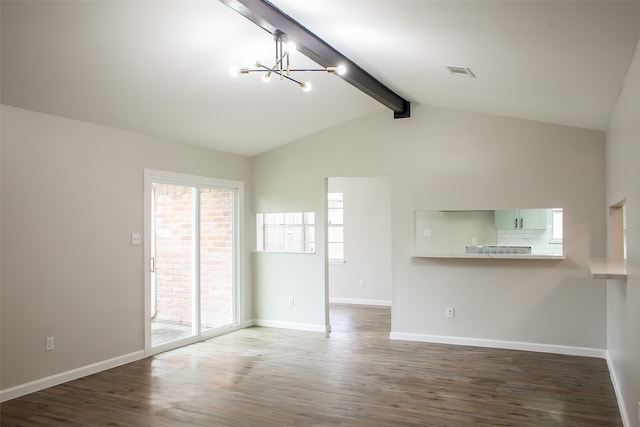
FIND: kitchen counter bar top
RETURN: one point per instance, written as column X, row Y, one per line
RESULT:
column 491, row 256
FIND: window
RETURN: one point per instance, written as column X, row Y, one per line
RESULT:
column 286, row 232
column 556, row 225
column 617, row 231
column 624, row 232
column 335, row 219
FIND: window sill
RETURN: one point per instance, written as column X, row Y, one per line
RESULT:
column 337, row 261
column 284, row 252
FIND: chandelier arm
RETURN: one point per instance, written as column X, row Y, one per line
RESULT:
column 292, row 79
column 308, row 69
column 281, row 54
column 277, row 54
column 264, row 67
column 277, row 66
column 284, row 75
column 288, row 65
column 275, row 71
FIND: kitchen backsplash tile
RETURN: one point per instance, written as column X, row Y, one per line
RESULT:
column 539, row 240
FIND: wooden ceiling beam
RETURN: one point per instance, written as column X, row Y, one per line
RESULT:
column 270, row 18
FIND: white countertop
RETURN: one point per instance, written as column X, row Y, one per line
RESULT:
column 490, row 256
column 608, row 269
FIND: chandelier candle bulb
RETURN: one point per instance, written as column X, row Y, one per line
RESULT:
column 340, row 70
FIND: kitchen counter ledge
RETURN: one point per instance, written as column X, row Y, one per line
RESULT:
column 490, row 256
column 608, row 269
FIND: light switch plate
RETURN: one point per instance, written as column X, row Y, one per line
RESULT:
column 135, row 238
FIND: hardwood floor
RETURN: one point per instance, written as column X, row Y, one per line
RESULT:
column 355, row 376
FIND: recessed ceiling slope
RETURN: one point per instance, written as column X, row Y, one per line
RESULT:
column 161, row 68
column 553, row 61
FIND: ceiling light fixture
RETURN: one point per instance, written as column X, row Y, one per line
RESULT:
column 282, row 65
column 268, row 17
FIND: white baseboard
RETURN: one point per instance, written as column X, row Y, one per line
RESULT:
column 288, row 325
column 616, row 387
column 509, row 345
column 377, row 302
column 248, row 323
column 74, row 374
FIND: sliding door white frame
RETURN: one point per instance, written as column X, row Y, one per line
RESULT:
column 237, row 188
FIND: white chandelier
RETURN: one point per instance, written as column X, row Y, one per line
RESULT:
column 282, row 65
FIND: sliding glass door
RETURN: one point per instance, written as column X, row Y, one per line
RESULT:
column 192, row 254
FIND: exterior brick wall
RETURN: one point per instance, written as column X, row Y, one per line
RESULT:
column 174, row 255
column 216, row 257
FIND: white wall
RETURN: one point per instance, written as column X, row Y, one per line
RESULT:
column 623, row 297
column 447, row 159
column 72, row 194
column 367, row 246
column 450, row 232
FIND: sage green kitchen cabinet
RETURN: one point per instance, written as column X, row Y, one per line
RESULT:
column 521, row 219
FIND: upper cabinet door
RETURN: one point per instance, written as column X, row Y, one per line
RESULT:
column 521, row 219
column 533, row 219
column 506, row 219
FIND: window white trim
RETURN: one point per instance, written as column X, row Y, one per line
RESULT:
column 557, row 222
column 305, row 237
column 339, row 224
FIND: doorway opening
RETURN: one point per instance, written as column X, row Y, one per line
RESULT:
column 359, row 244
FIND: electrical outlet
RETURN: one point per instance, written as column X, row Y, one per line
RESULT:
column 291, row 301
column 450, row 312
column 49, row 344
column 362, row 283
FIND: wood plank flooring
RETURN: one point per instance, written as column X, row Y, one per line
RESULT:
column 355, row 376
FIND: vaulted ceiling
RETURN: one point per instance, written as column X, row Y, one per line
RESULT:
column 161, row 68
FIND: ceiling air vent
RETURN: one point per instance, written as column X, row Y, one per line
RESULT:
column 460, row 71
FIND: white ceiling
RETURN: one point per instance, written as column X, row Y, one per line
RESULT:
column 161, row 68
